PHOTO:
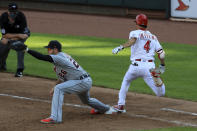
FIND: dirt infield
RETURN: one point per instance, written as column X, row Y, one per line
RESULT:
column 113, row 27
column 23, row 104
column 24, row 101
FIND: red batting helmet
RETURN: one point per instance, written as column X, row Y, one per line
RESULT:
column 142, row 20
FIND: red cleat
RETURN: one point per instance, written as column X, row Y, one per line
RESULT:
column 110, row 111
column 48, row 121
column 94, row 111
column 119, row 108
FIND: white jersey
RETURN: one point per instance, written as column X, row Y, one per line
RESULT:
column 145, row 46
column 66, row 67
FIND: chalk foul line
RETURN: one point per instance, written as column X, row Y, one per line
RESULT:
column 179, row 111
column 40, row 100
column 87, row 107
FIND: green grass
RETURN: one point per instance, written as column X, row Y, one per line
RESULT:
column 172, row 129
column 107, row 70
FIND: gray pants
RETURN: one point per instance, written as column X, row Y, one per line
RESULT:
column 4, row 51
column 79, row 87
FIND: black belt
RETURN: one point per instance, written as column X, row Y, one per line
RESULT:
column 84, row 76
column 134, row 64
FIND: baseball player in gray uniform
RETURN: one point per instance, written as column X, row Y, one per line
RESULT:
column 72, row 79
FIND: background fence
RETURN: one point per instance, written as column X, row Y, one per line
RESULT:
column 158, row 8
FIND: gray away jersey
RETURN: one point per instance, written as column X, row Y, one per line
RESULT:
column 66, row 67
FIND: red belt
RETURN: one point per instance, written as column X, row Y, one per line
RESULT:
column 142, row 60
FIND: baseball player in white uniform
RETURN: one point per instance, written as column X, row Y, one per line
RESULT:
column 72, row 79
column 143, row 45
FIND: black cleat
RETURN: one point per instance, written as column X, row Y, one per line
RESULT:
column 19, row 74
column 3, row 69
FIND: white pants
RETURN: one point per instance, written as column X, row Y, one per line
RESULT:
column 142, row 70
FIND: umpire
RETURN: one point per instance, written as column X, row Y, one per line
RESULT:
column 13, row 29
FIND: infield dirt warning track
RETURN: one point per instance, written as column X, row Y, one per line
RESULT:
column 105, row 26
column 24, row 101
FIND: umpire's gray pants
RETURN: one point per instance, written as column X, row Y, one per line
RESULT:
column 79, row 87
column 4, row 51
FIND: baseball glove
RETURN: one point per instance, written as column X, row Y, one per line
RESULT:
column 155, row 72
column 18, row 46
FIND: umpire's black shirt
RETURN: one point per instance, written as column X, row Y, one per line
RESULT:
column 19, row 26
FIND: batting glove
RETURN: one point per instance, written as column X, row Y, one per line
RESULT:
column 117, row 49
column 162, row 68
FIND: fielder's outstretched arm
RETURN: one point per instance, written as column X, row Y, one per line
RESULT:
column 40, row 56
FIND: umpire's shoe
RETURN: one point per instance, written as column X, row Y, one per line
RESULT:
column 3, row 69
column 19, row 73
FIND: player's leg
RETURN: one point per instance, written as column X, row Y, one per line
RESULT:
column 97, row 106
column 20, row 63
column 4, row 51
column 57, row 102
column 3, row 46
column 128, row 78
column 93, row 102
column 159, row 91
column 3, row 59
column 68, row 87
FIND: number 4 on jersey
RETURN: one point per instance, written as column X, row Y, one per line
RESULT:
column 147, row 46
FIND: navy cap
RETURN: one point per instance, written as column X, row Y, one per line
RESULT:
column 54, row 44
column 12, row 7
